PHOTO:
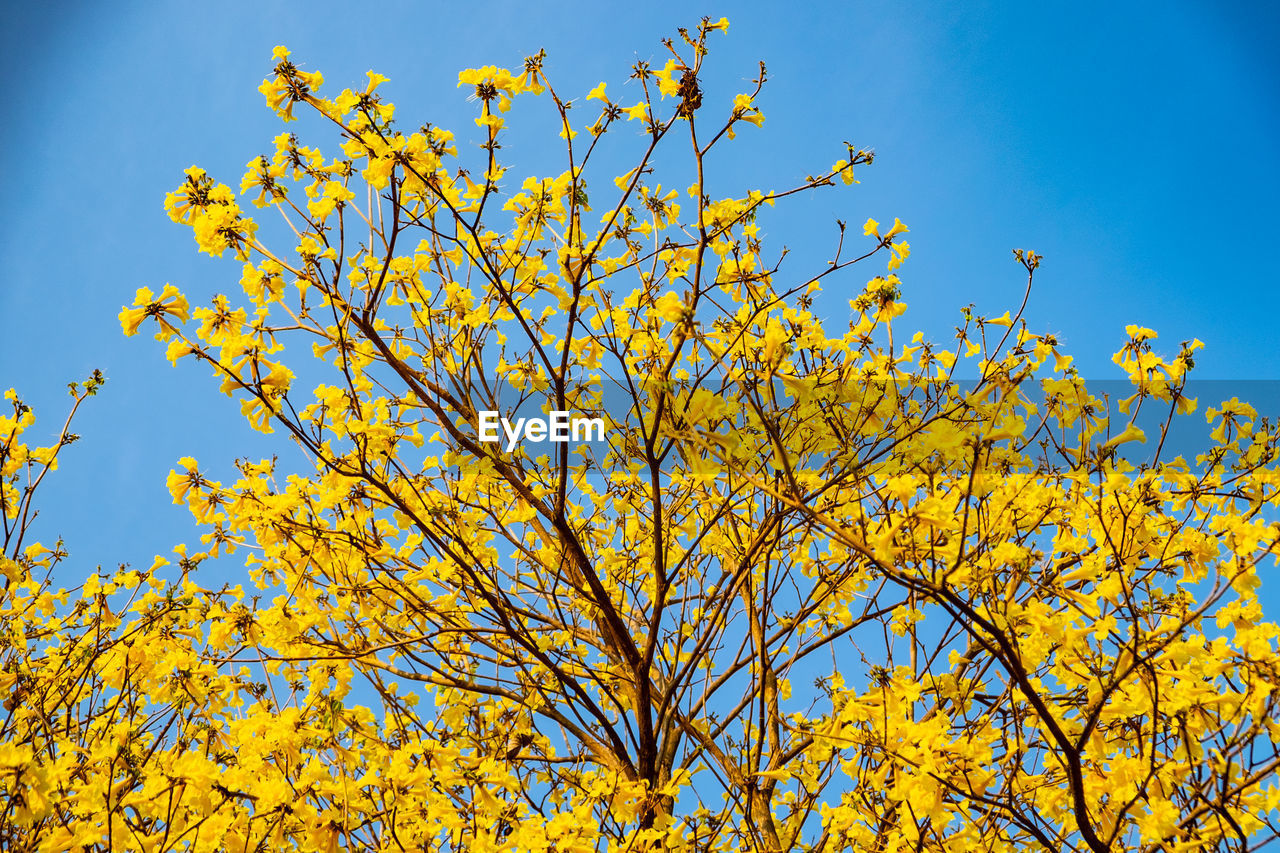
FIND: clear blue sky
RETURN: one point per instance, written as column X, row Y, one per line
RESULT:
column 1134, row 145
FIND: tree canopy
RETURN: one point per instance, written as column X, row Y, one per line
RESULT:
column 817, row 584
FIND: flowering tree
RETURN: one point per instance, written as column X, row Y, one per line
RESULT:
column 805, row 588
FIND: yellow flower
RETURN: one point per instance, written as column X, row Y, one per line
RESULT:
column 900, row 253
column 170, row 304
column 276, row 93
column 177, row 349
column 180, row 484
column 669, row 307
column 1131, row 433
column 871, row 228
column 667, row 85
column 492, row 82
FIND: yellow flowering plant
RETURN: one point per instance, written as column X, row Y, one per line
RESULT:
column 806, row 588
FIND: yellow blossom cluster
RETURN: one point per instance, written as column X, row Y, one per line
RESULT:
column 822, row 585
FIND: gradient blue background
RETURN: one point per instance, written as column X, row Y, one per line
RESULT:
column 1132, row 144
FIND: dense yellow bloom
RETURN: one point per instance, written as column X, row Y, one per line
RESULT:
column 806, row 588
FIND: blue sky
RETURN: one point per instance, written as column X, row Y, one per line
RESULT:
column 1132, row 144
